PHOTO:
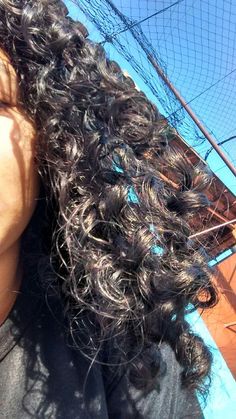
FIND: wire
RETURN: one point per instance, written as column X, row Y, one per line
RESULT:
column 220, row 143
column 208, row 230
column 143, row 20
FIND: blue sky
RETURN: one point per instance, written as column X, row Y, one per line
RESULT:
column 171, row 34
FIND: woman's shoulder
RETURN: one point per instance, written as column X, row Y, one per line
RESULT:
column 50, row 376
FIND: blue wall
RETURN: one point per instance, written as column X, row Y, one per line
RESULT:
column 221, row 402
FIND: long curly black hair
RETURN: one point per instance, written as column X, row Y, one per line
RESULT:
column 116, row 228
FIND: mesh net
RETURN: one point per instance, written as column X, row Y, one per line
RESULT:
column 193, row 43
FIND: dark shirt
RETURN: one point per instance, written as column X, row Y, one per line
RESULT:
column 42, row 377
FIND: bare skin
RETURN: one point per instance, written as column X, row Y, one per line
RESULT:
column 19, row 183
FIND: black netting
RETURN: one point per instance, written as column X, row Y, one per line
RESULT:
column 193, row 42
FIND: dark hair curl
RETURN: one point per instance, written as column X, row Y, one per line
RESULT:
column 118, row 233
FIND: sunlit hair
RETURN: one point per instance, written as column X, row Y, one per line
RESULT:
column 112, row 225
